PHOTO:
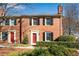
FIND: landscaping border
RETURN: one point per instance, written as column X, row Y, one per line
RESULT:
column 65, row 44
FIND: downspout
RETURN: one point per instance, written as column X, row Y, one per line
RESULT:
column 20, row 30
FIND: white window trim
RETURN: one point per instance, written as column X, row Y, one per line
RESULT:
column 3, row 23
column 9, row 40
column 11, row 23
column 33, row 20
column 37, row 33
column 46, row 21
column 0, row 35
column 46, row 37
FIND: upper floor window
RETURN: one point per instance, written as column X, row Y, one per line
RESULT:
column 2, row 23
column 35, row 21
column 6, row 22
column 10, row 22
column 48, row 21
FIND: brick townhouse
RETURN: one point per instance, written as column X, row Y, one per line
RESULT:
column 13, row 29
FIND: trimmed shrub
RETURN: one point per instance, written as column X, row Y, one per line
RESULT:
column 25, row 40
column 50, row 51
column 40, row 52
column 66, row 38
column 36, row 52
column 65, row 44
column 61, row 51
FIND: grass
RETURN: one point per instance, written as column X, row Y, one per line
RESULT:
column 16, row 53
column 21, row 45
column 12, row 51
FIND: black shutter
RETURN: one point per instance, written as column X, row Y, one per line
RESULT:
column 43, row 21
column 43, row 36
column 14, row 22
column 51, row 36
column 38, row 21
column 30, row 20
column 51, row 21
column 7, row 21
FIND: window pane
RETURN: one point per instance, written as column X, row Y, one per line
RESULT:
column 49, row 36
column 7, row 22
column 3, row 23
column 0, row 35
column 35, row 21
column 4, row 35
column 13, row 22
column 1, row 20
column 0, row 23
column 49, row 21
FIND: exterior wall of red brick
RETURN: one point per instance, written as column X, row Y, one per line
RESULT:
column 23, row 27
column 56, row 28
column 7, row 28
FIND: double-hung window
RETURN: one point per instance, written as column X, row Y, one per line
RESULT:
column 48, row 36
column 2, row 23
column 35, row 21
column 4, row 35
column 48, row 21
column 6, row 22
column 12, row 22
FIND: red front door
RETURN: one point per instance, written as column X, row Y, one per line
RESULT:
column 12, row 37
column 34, row 37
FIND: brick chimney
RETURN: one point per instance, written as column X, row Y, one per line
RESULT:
column 1, row 12
column 60, row 9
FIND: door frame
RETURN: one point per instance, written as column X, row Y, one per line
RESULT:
column 9, row 35
column 37, row 34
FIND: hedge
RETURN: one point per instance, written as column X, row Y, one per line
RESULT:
column 61, row 51
column 65, row 44
column 67, row 38
column 50, row 51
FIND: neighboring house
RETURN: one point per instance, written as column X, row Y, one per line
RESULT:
column 34, row 27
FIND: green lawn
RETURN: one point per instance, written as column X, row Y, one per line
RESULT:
column 21, row 45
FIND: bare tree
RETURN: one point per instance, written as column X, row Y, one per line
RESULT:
column 7, row 7
column 70, row 17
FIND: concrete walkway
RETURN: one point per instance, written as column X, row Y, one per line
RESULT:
column 28, row 47
column 2, row 46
